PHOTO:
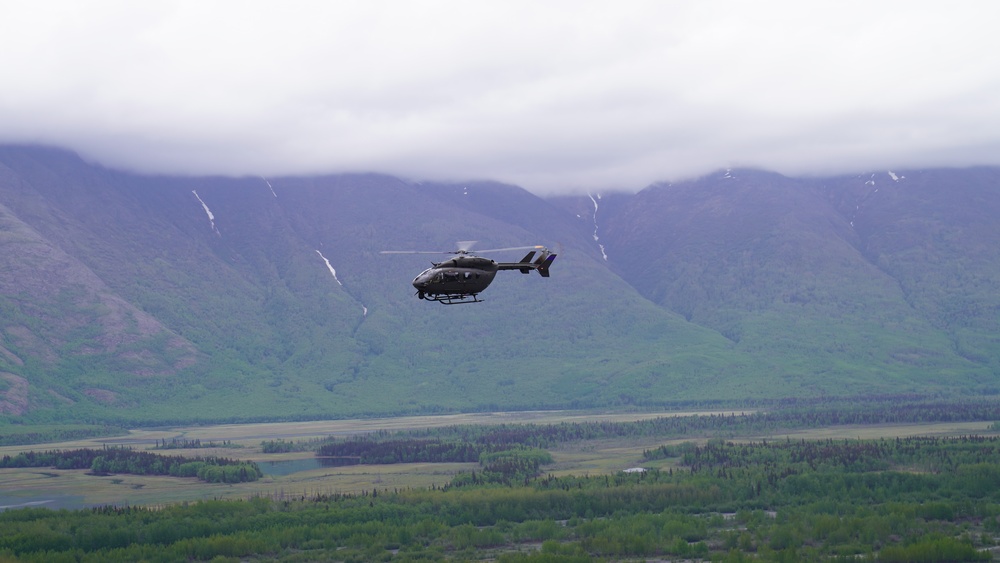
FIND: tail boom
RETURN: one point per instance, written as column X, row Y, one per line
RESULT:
column 526, row 265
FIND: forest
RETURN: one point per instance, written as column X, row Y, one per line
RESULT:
column 117, row 460
column 702, row 495
column 936, row 500
column 19, row 434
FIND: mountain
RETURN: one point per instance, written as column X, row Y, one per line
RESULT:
column 153, row 299
column 819, row 277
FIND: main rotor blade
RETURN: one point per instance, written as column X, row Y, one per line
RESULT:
column 415, row 251
column 536, row 247
column 462, row 250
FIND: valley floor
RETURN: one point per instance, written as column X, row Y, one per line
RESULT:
column 299, row 474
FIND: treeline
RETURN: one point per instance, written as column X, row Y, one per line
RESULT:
column 281, row 446
column 186, row 444
column 886, row 408
column 917, row 453
column 721, row 510
column 502, row 462
column 125, row 460
column 507, row 467
column 375, row 450
column 444, row 443
column 20, row 435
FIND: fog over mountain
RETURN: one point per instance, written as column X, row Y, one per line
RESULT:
column 141, row 299
column 560, row 97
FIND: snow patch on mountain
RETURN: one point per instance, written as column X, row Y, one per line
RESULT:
column 868, row 196
column 597, row 238
column 329, row 266
column 211, row 216
column 333, row 272
column 269, row 186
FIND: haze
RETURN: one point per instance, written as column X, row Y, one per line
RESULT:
column 552, row 96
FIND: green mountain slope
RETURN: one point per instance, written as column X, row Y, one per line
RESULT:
column 239, row 269
column 778, row 268
column 936, row 233
column 168, row 299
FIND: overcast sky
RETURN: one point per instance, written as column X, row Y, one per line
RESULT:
column 552, row 96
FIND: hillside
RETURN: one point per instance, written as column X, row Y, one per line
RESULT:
column 155, row 299
column 796, row 275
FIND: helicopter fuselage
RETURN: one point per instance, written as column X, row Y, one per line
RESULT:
column 458, row 277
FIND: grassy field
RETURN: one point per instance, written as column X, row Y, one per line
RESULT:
column 249, row 436
column 76, row 488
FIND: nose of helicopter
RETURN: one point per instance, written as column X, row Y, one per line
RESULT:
column 421, row 281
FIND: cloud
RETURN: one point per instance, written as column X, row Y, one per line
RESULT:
column 552, row 96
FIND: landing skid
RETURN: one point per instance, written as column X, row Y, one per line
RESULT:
column 453, row 299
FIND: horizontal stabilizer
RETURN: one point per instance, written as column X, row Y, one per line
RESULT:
column 526, row 260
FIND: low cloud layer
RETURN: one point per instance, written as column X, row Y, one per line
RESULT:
column 552, row 96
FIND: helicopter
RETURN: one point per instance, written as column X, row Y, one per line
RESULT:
column 462, row 278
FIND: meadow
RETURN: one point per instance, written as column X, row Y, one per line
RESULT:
column 78, row 488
